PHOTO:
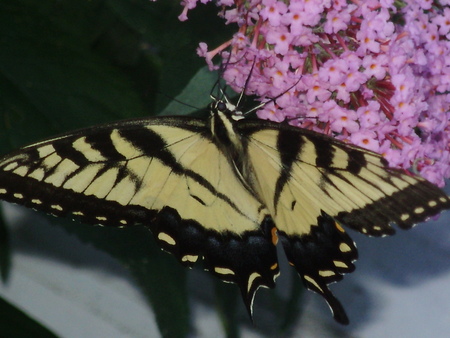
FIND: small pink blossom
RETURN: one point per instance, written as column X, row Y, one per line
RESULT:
column 443, row 21
column 370, row 115
column 377, row 23
column 334, row 71
column 295, row 18
column 273, row 11
column 316, row 90
column 375, row 66
column 281, row 39
column 404, row 86
column 336, row 21
column 366, row 138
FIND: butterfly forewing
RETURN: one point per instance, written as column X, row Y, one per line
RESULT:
column 352, row 184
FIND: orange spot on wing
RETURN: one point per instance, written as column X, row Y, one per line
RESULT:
column 274, row 236
column 341, row 229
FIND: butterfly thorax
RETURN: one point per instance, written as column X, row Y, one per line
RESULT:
column 223, row 126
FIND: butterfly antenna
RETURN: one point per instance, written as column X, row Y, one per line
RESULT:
column 218, row 82
column 273, row 99
column 179, row 101
column 247, row 81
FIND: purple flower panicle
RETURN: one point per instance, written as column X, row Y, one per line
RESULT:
column 375, row 73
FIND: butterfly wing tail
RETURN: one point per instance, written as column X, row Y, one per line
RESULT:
column 321, row 258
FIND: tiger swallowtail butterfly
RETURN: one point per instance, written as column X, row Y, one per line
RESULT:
column 225, row 189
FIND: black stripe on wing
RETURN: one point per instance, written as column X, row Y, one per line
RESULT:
column 289, row 145
column 62, row 202
column 100, row 141
column 151, row 144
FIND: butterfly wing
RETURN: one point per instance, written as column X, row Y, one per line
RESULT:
column 308, row 181
column 165, row 173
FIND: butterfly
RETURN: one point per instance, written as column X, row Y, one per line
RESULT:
column 225, row 190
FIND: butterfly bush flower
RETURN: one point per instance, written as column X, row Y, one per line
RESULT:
column 375, row 73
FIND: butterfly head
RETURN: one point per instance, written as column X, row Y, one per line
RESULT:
column 225, row 107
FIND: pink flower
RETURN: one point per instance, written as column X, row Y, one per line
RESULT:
column 375, row 66
column 443, row 22
column 404, row 86
column 376, row 23
column 280, row 39
column 316, row 89
column 273, row 11
column 337, row 21
column 334, row 71
column 295, row 18
column 366, row 138
column 343, row 119
column 369, row 116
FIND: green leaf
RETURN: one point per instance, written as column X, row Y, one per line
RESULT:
column 195, row 96
column 17, row 324
column 72, row 64
column 167, row 41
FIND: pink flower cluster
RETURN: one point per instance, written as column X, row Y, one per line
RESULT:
column 375, row 73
